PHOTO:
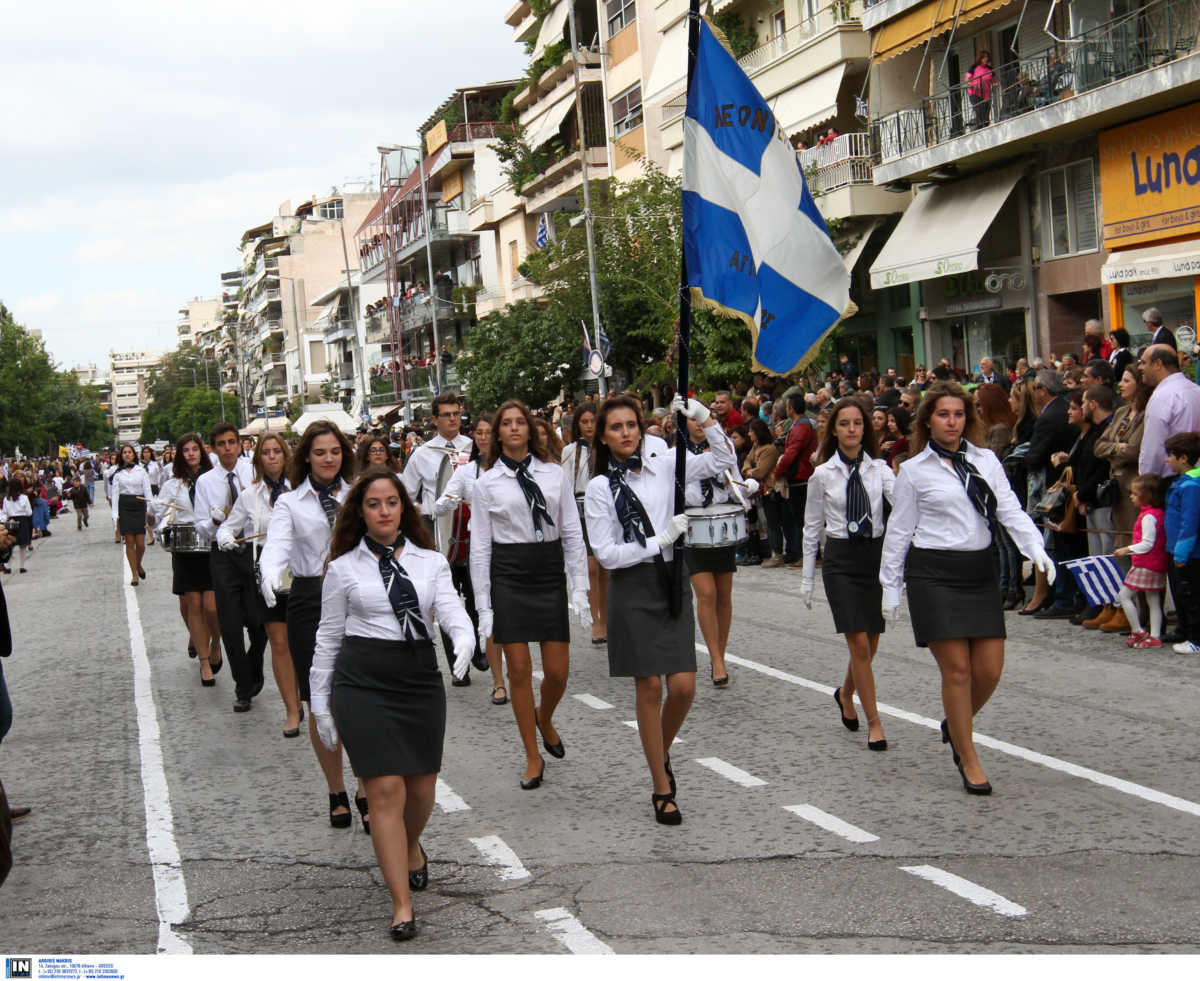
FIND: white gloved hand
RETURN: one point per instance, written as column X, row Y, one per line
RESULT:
column 446, row 503
column 225, row 540
column 583, row 609
column 485, row 627
column 271, row 581
column 675, row 527
column 891, row 614
column 691, row 408
column 1042, row 561
column 217, row 514
column 464, row 650
column 326, row 729
column 806, row 592
column 751, row 487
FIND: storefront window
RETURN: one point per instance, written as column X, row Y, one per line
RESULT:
column 1174, row 298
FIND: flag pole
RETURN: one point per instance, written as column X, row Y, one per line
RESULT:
column 684, row 339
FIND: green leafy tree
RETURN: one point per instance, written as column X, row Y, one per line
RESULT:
column 524, row 352
column 73, row 412
column 25, row 375
column 183, row 398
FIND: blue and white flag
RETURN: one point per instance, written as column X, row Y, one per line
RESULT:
column 1099, row 577
column 605, row 343
column 755, row 244
column 543, row 236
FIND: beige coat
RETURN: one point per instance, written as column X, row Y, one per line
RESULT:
column 1120, row 444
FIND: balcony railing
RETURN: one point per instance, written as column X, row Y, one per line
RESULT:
column 837, row 14
column 1158, row 33
column 844, row 161
column 465, row 132
column 339, row 330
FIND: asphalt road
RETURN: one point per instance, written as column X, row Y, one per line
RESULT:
column 163, row 821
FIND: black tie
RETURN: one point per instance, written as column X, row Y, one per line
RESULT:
column 277, row 487
column 858, row 504
column 325, row 494
column 625, row 500
column 191, row 486
column 982, row 497
column 233, row 491
column 533, row 493
column 402, row 594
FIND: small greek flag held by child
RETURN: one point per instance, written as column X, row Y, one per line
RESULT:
column 1099, row 577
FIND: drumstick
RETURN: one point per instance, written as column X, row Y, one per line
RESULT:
column 165, row 504
column 261, row 534
column 737, row 485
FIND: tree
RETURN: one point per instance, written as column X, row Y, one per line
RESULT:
column 183, row 398
column 523, row 352
column 74, row 414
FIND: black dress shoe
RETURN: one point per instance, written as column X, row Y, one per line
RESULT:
column 293, row 733
column 242, row 704
column 879, row 745
column 1053, row 613
column 480, row 660
column 1043, row 605
column 462, row 682
column 361, row 804
column 661, row 814
column 335, row 801
column 534, row 782
column 216, row 668
column 946, row 739
column 554, row 749
column 418, row 879
column 851, row 724
column 404, row 930
column 979, row 789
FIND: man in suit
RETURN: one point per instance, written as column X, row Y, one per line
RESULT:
column 1158, row 333
column 988, row 373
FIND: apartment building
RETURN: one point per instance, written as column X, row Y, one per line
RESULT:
column 198, row 317
column 97, row 378
column 1063, row 188
column 129, row 374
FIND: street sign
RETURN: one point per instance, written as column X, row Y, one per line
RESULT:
column 1185, row 338
column 595, row 363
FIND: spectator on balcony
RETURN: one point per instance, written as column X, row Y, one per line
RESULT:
column 447, row 357
column 1057, row 78
column 831, row 134
column 980, row 81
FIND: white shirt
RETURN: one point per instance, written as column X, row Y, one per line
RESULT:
column 174, row 491
column 582, row 453
column 722, row 493
column 462, row 486
column 132, row 481
column 655, row 488
column 501, row 515
column 355, row 604
column 212, row 490
column 420, row 474
column 826, row 504
column 153, row 471
column 251, row 515
column 298, row 533
column 931, row 510
column 1149, row 536
column 20, row 508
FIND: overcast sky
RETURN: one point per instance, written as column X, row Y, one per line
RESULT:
column 139, row 140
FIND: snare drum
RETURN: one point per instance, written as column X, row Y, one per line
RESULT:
column 285, row 586
column 716, row 526
column 184, row 539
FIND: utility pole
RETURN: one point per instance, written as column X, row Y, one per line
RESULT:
column 433, row 297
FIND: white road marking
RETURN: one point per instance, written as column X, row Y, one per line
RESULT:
column 731, row 772
column 591, row 701
column 497, row 853
column 1011, row 749
column 829, row 822
column 447, row 799
column 632, row 723
column 967, row 889
column 170, row 889
column 538, row 676
column 572, row 934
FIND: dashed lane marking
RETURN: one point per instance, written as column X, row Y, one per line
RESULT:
column 969, row 890
column 591, row 701
column 572, row 934
column 632, row 723
column 829, row 822
column 731, row 772
column 447, row 799
column 497, row 853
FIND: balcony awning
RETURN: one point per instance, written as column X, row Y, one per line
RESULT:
column 918, row 26
column 670, row 67
column 545, row 127
column 552, row 28
column 851, row 258
column 1154, row 262
column 940, row 232
column 326, row 412
column 810, row 103
column 265, row 424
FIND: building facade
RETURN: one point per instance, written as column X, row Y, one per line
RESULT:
column 129, row 374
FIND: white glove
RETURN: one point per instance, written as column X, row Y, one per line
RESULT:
column 806, row 592
column 464, row 650
column 446, row 503
column 583, row 609
column 1042, row 561
column 675, row 527
column 485, row 627
column 891, row 614
column 225, row 540
column 751, row 487
column 326, row 730
column 691, row 408
column 271, row 581
column 217, row 514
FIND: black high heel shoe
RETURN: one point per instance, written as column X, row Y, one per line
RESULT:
column 557, row 750
column 361, row 804
column 1043, row 605
column 336, row 801
column 208, row 682
column 878, row 745
column 661, row 814
column 534, row 782
column 404, row 930
column 851, row 724
column 418, row 879
column 979, row 789
column 946, row 739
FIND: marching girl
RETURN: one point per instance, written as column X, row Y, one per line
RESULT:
column 461, row 489
column 577, row 461
column 949, row 495
column 630, row 523
column 191, row 578
column 524, row 531
column 248, row 519
column 154, row 472
column 298, row 540
column 19, row 513
column 845, row 500
column 375, row 678
column 711, row 569
column 130, row 491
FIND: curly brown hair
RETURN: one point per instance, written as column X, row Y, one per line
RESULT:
column 537, row 445
column 350, row 527
column 300, row 468
column 973, row 431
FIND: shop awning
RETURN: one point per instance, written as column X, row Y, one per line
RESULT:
column 670, row 67
column 932, row 18
column 265, row 424
column 810, row 103
column 939, row 234
column 851, row 258
column 1154, row 262
column 545, row 127
column 551, row 31
column 327, row 413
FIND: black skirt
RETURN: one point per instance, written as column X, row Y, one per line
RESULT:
column 22, row 529
column 953, row 594
column 643, row 639
column 529, row 593
column 191, row 572
column 390, row 706
column 850, row 571
column 723, row 559
column 303, row 618
column 131, row 515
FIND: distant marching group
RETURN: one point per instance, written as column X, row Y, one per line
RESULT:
column 346, row 569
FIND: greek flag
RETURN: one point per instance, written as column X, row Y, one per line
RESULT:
column 756, row 247
column 605, row 343
column 543, row 231
column 1099, row 577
